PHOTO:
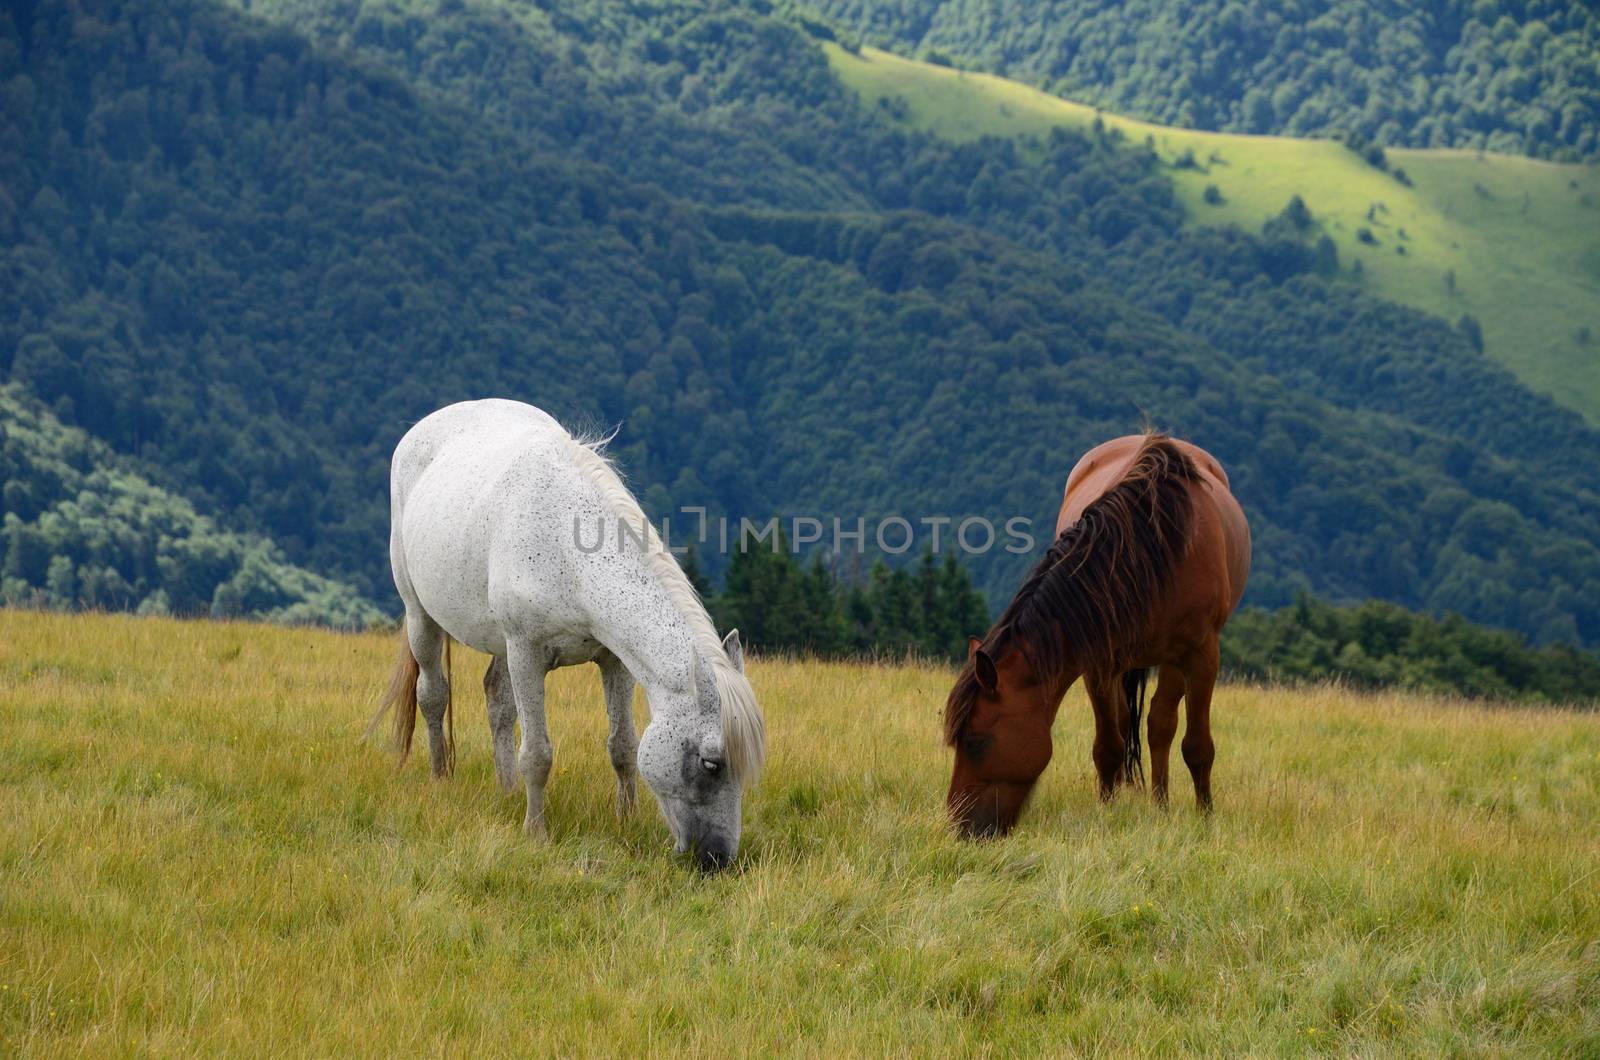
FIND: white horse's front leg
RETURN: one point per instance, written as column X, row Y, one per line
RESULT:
column 623, row 743
column 527, row 668
column 502, row 706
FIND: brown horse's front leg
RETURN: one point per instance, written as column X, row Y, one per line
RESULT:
column 1200, row 674
column 1163, row 727
column 1105, row 696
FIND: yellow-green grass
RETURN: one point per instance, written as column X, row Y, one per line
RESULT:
column 198, row 857
column 1521, row 236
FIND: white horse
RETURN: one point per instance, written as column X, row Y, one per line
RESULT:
column 517, row 539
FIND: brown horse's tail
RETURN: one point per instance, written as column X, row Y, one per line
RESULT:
column 400, row 698
column 1134, row 683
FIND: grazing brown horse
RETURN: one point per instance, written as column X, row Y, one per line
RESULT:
column 1150, row 558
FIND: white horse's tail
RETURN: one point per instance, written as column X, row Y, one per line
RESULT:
column 401, row 698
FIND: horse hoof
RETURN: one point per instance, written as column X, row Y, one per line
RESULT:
column 534, row 829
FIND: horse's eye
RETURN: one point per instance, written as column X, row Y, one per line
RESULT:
column 710, row 765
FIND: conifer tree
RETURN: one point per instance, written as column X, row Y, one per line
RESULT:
column 825, row 610
column 696, row 574
column 894, row 610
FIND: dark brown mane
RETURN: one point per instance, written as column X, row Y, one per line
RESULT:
column 1098, row 580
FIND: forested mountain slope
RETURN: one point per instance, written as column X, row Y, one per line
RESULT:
column 251, row 252
column 1508, row 246
column 1519, row 76
column 84, row 528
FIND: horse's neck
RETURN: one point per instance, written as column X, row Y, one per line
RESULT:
column 1055, row 685
column 1059, row 683
column 642, row 624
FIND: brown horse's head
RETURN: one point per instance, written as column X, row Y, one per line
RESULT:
column 998, row 720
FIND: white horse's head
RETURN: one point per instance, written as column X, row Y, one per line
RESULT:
column 697, row 754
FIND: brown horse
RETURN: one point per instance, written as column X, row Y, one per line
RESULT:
column 1150, row 559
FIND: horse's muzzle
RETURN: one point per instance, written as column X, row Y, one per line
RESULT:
column 713, row 852
column 980, row 822
column 987, row 812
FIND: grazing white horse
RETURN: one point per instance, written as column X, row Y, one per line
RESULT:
column 517, row 539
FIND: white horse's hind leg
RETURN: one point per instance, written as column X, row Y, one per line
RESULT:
column 527, row 670
column 623, row 743
column 433, row 688
column 502, row 722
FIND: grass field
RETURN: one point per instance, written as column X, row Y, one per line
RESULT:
column 1522, row 237
column 198, row 857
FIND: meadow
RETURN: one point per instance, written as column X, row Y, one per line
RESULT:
column 200, row 857
column 1512, row 241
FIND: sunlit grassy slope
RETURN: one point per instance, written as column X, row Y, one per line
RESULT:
column 1522, row 237
column 197, row 857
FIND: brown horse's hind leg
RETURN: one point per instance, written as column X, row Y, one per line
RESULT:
column 1163, row 727
column 1198, row 750
column 1110, row 750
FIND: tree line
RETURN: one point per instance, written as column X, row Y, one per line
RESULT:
column 783, row 603
column 1379, row 645
column 835, row 609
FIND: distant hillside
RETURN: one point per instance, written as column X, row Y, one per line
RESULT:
column 1513, row 243
column 250, row 249
column 83, row 528
column 1517, row 76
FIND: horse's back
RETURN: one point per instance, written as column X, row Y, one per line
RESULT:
column 464, row 433
column 1101, row 468
column 463, row 481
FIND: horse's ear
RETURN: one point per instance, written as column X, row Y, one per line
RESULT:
column 735, row 649
column 983, row 669
column 973, row 644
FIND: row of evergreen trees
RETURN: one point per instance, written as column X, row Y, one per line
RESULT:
column 833, row 610
column 1377, row 644
column 929, row 608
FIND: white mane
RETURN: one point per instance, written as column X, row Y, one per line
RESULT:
column 743, row 728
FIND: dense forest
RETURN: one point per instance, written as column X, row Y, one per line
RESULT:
column 83, row 528
column 243, row 251
column 1517, row 76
